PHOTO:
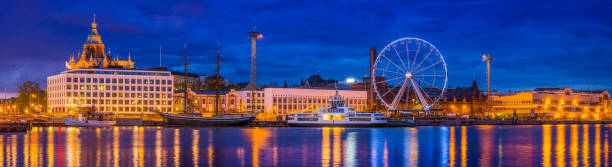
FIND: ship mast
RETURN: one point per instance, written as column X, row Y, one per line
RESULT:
column 185, row 65
column 217, row 79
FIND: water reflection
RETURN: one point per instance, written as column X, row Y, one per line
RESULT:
column 177, row 147
column 464, row 146
column 574, row 145
column 158, row 148
column 195, row 147
column 451, row 147
column 585, row 145
column 546, row 145
column 325, row 150
column 560, row 146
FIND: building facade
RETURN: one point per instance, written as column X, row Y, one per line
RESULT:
column 101, row 82
column 274, row 102
column 463, row 101
column 205, row 101
column 292, row 100
column 554, row 103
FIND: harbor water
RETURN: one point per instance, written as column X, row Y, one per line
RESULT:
column 525, row 145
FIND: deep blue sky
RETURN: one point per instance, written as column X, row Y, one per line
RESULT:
column 534, row 44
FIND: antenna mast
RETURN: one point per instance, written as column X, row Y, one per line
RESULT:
column 160, row 54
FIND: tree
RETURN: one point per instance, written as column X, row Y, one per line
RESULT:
column 31, row 97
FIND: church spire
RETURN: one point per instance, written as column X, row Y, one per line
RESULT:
column 94, row 26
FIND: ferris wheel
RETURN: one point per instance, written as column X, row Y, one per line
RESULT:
column 410, row 74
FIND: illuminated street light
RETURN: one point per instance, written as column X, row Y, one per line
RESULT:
column 350, row 80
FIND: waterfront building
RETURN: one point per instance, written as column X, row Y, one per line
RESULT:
column 554, row 103
column 316, row 81
column 193, row 80
column 204, row 101
column 101, row 82
column 248, row 103
column 463, row 101
column 292, row 100
column 270, row 103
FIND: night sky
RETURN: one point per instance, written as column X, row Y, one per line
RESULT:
column 534, row 44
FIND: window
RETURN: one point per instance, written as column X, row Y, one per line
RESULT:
column 169, row 82
column 114, row 80
column 68, row 79
column 101, row 80
column 139, row 81
column 157, row 82
column 163, row 82
column 95, row 80
column 133, row 81
column 107, row 80
column 88, row 80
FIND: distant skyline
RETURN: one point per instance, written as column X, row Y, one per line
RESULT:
column 535, row 44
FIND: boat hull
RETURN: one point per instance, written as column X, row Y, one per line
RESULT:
column 303, row 124
column 89, row 123
column 207, row 121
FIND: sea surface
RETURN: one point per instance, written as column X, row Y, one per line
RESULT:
column 546, row 145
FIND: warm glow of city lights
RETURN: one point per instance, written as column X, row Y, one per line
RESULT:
column 350, row 80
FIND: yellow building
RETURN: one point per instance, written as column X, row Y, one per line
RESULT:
column 554, row 103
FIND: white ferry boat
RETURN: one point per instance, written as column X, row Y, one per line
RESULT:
column 86, row 121
column 336, row 115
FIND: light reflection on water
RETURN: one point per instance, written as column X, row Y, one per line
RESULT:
column 546, row 145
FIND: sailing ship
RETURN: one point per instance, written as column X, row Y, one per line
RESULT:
column 336, row 115
column 195, row 119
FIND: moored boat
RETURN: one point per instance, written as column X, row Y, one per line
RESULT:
column 197, row 120
column 86, row 121
column 336, row 115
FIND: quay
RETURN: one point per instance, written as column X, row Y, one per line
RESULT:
column 24, row 127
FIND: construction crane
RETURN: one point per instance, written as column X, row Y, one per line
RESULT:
column 487, row 58
column 254, row 35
